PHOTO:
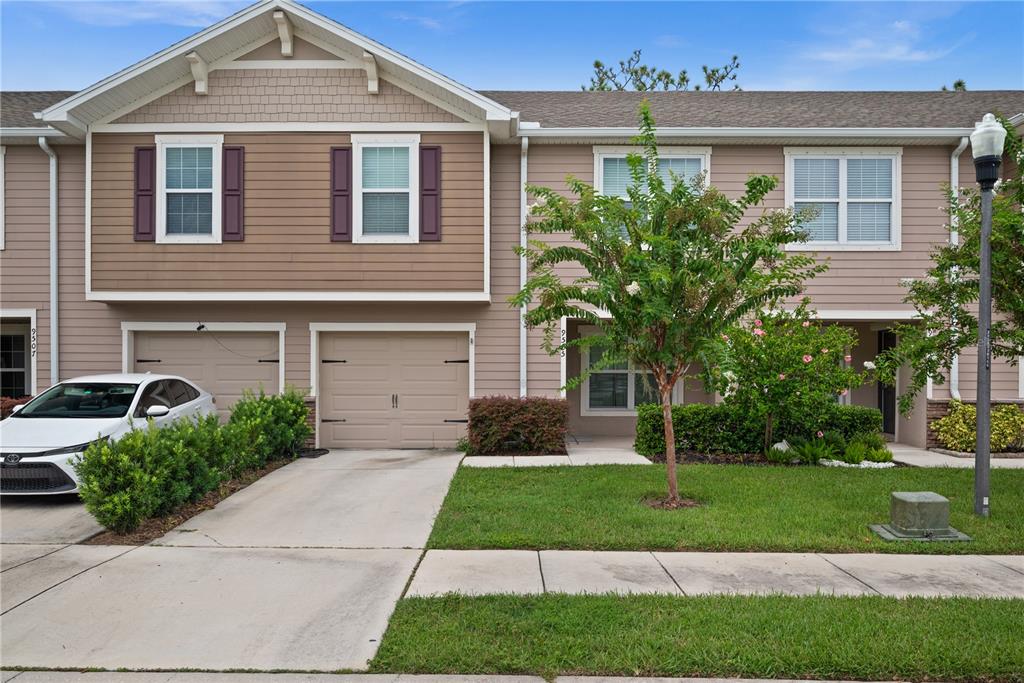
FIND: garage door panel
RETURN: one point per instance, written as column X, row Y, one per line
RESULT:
column 378, row 365
column 226, row 364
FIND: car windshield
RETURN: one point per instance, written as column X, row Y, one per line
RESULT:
column 81, row 400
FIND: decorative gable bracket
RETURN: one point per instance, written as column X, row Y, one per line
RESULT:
column 372, row 81
column 200, row 72
column 284, row 30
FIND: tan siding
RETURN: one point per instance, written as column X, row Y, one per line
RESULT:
column 25, row 259
column 292, row 95
column 287, row 234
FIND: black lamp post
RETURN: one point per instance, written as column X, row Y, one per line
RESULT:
column 987, row 149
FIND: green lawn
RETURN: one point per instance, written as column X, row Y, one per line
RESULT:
column 743, row 508
column 864, row 638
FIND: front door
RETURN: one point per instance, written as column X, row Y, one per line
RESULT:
column 887, row 394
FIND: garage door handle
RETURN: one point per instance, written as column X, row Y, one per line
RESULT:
column 457, row 361
column 459, row 421
column 328, row 360
column 147, row 360
column 329, row 420
column 268, row 360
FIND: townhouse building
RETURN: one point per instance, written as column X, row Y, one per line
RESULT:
column 279, row 201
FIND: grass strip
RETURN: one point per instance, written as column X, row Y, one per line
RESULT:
column 744, row 508
column 852, row 638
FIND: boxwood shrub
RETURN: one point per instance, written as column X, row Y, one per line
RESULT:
column 504, row 425
column 150, row 472
column 725, row 428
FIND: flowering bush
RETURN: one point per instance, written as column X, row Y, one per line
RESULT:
column 784, row 366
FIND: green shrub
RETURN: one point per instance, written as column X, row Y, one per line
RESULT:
column 725, row 428
column 506, row 425
column 810, row 451
column 150, row 472
column 879, row 455
column 856, row 452
column 958, row 430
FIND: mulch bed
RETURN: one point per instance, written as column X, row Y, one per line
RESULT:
column 664, row 504
column 715, row 458
column 154, row 528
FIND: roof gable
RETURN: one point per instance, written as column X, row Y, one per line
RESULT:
column 241, row 34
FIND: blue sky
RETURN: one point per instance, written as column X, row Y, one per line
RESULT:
column 544, row 45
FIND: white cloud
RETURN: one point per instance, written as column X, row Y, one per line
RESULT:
column 197, row 13
column 862, row 52
column 425, row 22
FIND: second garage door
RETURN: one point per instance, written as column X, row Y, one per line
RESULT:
column 223, row 363
column 393, row 390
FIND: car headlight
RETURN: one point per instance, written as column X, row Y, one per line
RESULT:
column 78, row 448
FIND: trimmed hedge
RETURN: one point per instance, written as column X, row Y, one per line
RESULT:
column 7, row 404
column 150, row 472
column 959, row 429
column 725, row 428
column 503, row 425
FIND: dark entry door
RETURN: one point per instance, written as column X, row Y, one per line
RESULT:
column 887, row 394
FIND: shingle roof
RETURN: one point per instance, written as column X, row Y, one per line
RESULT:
column 761, row 109
column 17, row 108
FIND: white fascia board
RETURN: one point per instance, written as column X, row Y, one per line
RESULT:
column 296, row 296
column 44, row 132
column 665, row 132
column 853, row 314
column 288, row 127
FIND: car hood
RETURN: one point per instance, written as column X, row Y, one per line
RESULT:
column 42, row 433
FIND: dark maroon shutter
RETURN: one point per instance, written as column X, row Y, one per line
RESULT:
column 145, row 194
column 341, row 194
column 430, row 194
column 233, row 195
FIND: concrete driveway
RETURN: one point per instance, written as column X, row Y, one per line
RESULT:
column 299, row 571
column 45, row 519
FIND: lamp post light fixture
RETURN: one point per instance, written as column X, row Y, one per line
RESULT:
column 987, row 149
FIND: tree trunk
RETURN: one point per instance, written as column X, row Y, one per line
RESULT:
column 670, row 445
column 769, row 427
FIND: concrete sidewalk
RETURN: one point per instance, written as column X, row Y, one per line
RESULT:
column 479, row 572
column 919, row 457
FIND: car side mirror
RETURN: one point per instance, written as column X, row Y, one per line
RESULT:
column 17, row 408
column 157, row 411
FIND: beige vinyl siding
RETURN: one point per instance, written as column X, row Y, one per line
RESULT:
column 91, row 332
column 25, row 259
column 287, row 243
column 289, row 95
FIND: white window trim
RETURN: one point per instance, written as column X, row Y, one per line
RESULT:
column 163, row 142
column 843, row 153
column 602, row 152
column 587, row 411
column 358, row 143
column 3, row 198
column 32, row 386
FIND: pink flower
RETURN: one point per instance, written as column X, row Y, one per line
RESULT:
column 847, row 358
column 808, row 358
column 759, row 332
column 844, row 392
column 824, row 350
column 820, row 434
column 725, row 337
column 757, row 323
column 806, row 323
column 782, row 375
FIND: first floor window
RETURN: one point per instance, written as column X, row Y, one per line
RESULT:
column 387, row 175
column 188, row 179
column 853, row 197
column 13, row 365
column 620, row 387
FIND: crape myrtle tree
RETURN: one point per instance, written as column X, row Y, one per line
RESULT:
column 666, row 270
column 946, row 299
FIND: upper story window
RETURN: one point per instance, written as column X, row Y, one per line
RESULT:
column 386, row 185
column 854, row 192
column 612, row 175
column 188, row 175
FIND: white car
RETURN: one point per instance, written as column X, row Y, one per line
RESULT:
column 39, row 441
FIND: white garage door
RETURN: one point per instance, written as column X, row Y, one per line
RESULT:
column 393, row 390
column 222, row 363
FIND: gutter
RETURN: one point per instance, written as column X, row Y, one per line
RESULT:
column 523, row 215
column 528, row 130
column 54, row 284
column 954, row 238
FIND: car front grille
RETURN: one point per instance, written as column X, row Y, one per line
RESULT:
column 33, row 477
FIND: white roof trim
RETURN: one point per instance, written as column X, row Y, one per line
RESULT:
column 60, row 111
column 743, row 132
column 45, row 132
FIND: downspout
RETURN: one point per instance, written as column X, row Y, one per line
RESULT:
column 954, row 238
column 523, row 215
column 54, row 284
